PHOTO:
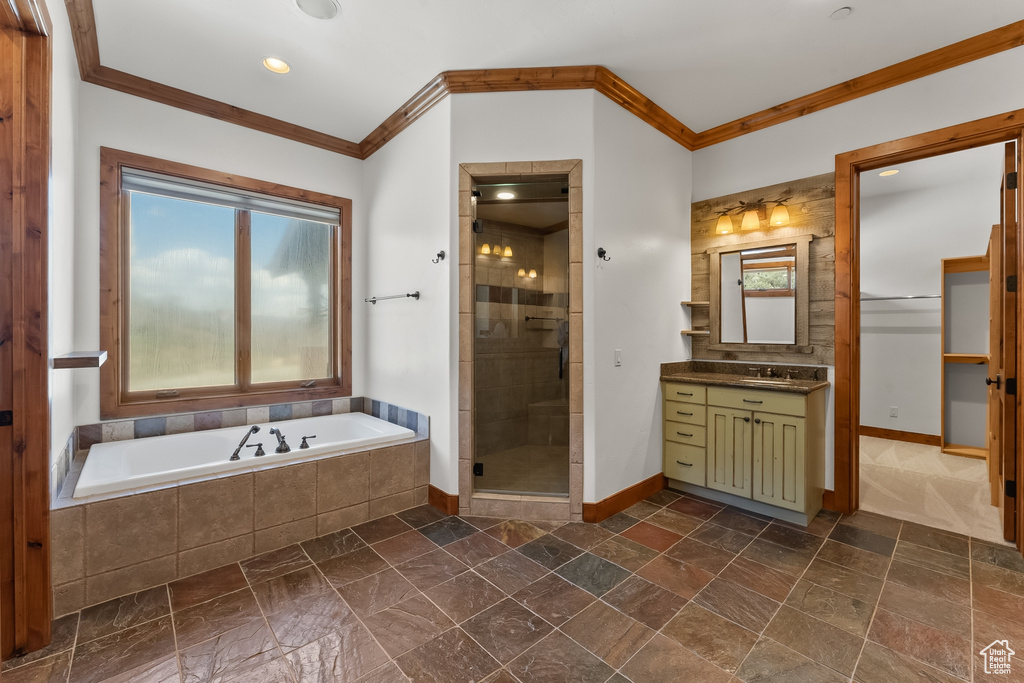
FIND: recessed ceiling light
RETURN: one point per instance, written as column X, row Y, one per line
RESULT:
column 891, row 171
column 278, row 66
column 841, row 13
column 506, row 195
column 319, row 9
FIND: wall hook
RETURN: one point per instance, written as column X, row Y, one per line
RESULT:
column 602, row 254
column 440, row 257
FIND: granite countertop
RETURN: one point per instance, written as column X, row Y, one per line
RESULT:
column 710, row 373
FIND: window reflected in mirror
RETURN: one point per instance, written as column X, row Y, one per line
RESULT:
column 758, row 295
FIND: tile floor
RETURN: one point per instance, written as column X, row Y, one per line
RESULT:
column 922, row 484
column 674, row 589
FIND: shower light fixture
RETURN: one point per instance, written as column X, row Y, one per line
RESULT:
column 278, row 66
column 522, row 272
column 533, row 273
column 486, row 249
column 496, row 250
column 508, row 252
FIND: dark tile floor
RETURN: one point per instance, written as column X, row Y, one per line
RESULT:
column 674, row 589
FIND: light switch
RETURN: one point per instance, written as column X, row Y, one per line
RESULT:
column 618, row 358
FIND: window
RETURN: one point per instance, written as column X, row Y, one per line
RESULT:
column 219, row 291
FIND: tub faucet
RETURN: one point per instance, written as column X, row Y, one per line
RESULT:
column 252, row 430
column 282, row 445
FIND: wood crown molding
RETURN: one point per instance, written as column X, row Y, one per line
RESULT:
column 26, row 16
column 594, row 77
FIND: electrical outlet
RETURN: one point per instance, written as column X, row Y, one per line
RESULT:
column 618, row 358
column 894, row 411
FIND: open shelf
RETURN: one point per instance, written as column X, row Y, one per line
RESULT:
column 967, row 358
column 79, row 359
column 695, row 303
column 696, row 333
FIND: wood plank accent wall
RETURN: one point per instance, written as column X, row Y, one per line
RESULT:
column 812, row 212
column 83, row 25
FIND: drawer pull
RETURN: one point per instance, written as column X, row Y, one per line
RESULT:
column 679, row 412
column 681, row 434
column 747, row 400
column 684, row 464
column 683, row 393
column 746, row 419
column 757, row 420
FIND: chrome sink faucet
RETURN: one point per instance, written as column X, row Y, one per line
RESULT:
column 756, row 370
column 282, row 445
column 252, row 430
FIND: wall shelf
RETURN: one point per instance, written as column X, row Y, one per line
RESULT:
column 967, row 358
column 696, row 333
column 79, row 359
column 695, row 303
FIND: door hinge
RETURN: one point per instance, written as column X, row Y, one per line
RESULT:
column 6, row 418
column 478, row 469
column 1011, row 181
column 1011, row 283
column 1011, row 386
column 1011, row 489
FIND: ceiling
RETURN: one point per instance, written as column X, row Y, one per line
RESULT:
column 705, row 62
column 979, row 165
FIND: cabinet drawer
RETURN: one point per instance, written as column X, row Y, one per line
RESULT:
column 684, row 463
column 685, row 412
column 765, row 401
column 684, row 433
column 690, row 393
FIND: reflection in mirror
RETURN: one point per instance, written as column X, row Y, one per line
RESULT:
column 758, row 296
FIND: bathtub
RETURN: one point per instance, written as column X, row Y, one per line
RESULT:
column 126, row 465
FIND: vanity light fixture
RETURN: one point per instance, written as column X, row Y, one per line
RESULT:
column 522, row 272
column 724, row 226
column 533, row 273
column 750, row 221
column 276, row 65
column 497, row 250
column 508, row 252
column 506, row 195
column 780, row 216
column 485, row 250
column 891, row 171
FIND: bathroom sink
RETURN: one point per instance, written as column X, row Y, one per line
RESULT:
column 765, row 381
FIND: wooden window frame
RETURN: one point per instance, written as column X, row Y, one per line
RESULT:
column 115, row 399
column 790, row 266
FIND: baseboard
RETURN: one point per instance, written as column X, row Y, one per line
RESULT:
column 617, row 502
column 896, row 435
column 445, row 502
column 828, row 500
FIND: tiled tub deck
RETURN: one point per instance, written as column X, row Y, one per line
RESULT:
column 674, row 589
column 108, row 546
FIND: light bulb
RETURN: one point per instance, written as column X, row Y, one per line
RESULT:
column 724, row 226
column 508, row 252
column 533, row 273
column 750, row 221
column 522, row 272
column 780, row 216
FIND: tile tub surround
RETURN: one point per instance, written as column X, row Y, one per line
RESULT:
column 104, row 547
column 674, row 589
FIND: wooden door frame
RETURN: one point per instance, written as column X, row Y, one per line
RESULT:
column 849, row 165
column 25, row 101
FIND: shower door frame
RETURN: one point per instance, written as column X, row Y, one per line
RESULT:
column 516, row 505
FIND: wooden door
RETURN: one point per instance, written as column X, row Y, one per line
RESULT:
column 1007, row 354
column 994, row 412
column 778, row 460
column 729, row 450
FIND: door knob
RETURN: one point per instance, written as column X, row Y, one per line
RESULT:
column 998, row 380
column 746, row 419
column 757, row 420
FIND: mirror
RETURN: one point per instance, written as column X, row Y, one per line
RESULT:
column 758, row 296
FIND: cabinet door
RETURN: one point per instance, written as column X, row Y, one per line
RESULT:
column 779, row 460
column 729, row 435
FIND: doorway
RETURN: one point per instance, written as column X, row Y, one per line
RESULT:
column 849, row 168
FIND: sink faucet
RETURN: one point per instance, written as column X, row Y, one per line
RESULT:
column 282, row 445
column 770, row 372
column 756, row 371
column 252, row 430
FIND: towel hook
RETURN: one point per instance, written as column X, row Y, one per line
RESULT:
column 440, row 257
column 602, row 254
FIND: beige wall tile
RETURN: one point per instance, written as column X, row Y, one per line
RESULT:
column 576, row 175
column 576, row 516
column 285, row 494
column 465, row 289
column 285, row 534
column 575, row 387
column 496, row 507
column 215, row 510
column 465, row 177
column 547, row 510
column 234, row 418
column 68, row 598
column 335, row 520
column 485, row 168
column 255, row 415
column 464, row 509
column 380, row 507
column 181, row 424
column 575, row 487
column 118, row 431
column 576, row 337
column 575, row 199
column 422, row 477
column 465, row 479
column 466, row 337
column 300, row 410
column 465, row 435
column 127, row 580
column 518, row 167
column 465, row 203
column 554, row 166
column 392, row 470
column 421, row 495
column 575, row 238
column 343, row 481
column 466, row 251
column 466, row 386
column 215, row 555
column 67, row 545
column 575, row 287
column 576, row 438
column 126, row 531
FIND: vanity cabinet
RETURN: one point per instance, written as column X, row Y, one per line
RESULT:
column 765, row 446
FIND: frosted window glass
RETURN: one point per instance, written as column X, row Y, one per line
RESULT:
column 290, row 299
column 181, row 294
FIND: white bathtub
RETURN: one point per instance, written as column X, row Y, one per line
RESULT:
column 126, row 465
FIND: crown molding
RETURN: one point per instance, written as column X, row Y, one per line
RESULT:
column 26, row 16
column 599, row 78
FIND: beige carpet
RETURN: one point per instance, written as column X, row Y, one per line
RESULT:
column 921, row 484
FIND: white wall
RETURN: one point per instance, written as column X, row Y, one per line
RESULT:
column 62, row 232
column 641, row 215
column 407, row 212
column 111, row 119
column 904, row 237
column 808, row 145
column 771, row 319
